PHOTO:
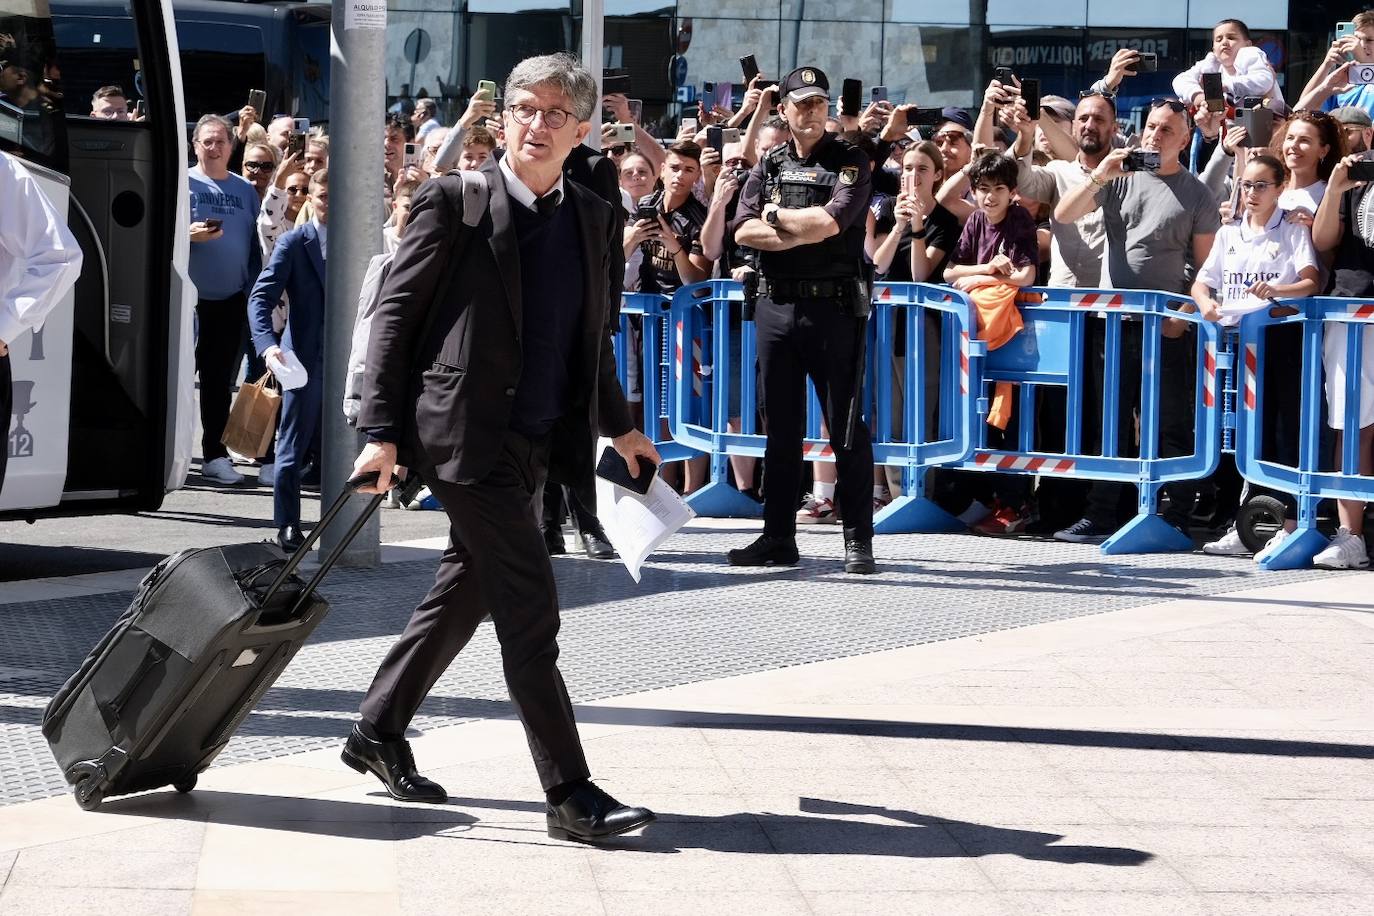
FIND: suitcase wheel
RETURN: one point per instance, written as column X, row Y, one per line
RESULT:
column 88, row 794
column 185, row 784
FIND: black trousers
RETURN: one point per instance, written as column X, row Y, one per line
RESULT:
column 495, row 563
column 1110, row 504
column 559, row 502
column 6, row 405
column 219, row 345
column 821, row 340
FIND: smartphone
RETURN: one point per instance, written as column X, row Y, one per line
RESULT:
column 302, row 125
column 257, row 100
column 850, row 96
column 1252, row 101
column 1259, row 126
column 140, row 110
column 1030, row 91
column 1005, row 76
column 1141, row 160
column 1213, row 92
column 213, row 224
column 1361, row 75
column 615, row 81
column 877, row 94
column 690, row 124
column 636, row 111
column 622, row 133
column 412, row 154
column 486, row 90
column 1345, row 30
column 295, row 143
column 649, row 208
column 717, row 137
column 924, row 117
column 1148, row 62
column 1362, row 170
column 749, row 66
column 614, row 469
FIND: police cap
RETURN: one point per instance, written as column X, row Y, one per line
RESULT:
column 804, row 83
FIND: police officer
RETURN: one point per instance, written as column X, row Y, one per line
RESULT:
column 803, row 209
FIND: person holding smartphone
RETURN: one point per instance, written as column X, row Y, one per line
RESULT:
column 1344, row 231
column 1330, row 86
column 225, row 261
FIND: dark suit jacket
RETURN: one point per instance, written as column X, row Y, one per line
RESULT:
column 297, row 269
column 447, row 392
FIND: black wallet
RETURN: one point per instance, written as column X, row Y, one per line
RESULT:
column 613, row 468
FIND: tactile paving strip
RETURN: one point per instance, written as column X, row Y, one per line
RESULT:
column 692, row 618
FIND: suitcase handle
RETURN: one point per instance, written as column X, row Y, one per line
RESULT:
column 353, row 484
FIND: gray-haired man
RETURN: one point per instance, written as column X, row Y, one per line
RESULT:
column 515, row 373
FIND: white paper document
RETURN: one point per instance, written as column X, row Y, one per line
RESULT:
column 636, row 525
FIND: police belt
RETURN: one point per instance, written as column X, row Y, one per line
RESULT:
column 788, row 290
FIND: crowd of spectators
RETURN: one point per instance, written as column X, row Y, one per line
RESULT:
column 1186, row 196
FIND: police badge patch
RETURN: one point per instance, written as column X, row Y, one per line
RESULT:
column 849, row 174
column 808, row 77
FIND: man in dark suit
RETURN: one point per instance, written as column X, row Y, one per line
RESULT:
column 489, row 367
column 297, row 269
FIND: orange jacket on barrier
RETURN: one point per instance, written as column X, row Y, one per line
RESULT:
column 999, row 320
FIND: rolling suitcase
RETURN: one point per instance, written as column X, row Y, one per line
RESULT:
column 207, row 634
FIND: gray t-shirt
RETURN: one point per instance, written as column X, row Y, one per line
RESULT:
column 1076, row 248
column 1151, row 221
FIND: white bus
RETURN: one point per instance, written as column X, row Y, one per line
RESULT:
column 103, row 392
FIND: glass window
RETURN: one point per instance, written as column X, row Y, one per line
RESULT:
column 1164, row 14
column 1054, row 56
column 220, row 62
column 928, row 65
column 1044, row 13
column 32, row 124
column 1257, row 14
column 927, row 11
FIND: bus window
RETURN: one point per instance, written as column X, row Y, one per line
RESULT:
column 97, row 51
column 220, row 62
column 31, row 122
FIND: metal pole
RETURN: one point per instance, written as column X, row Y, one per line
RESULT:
column 593, row 58
column 357, row 108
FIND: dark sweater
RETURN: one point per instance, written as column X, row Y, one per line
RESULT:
column 551, row 285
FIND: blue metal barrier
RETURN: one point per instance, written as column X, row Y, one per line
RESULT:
column 1320, row 318
column 1050, row 353
column 655, row 362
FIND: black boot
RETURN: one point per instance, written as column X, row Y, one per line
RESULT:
column 858, row 554
column 766, row 551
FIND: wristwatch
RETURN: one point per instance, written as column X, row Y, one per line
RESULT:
column 771, row 217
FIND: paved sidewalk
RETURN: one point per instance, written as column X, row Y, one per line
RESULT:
column 1209, row 755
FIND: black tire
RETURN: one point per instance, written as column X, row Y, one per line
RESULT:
column 1258, row 520
column 88, row 800
column 186, row 784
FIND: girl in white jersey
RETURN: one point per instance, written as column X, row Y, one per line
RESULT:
column 1260, row 257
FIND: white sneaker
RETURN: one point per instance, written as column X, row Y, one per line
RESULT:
column 1279, row 537
column 1228, row 545
column 267, row 474
column 817, row 510
column 415, row 504
column 221, row 471
column 1346, row 551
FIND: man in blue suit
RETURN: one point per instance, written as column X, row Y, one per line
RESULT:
column 297, row 269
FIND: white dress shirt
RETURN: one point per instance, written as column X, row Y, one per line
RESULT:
column 39, row 257
column 521, row 193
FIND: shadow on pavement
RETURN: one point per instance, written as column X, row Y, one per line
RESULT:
column 19, row 562
column 821, row 828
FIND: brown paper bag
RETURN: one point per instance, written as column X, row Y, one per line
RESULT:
column 253, row 418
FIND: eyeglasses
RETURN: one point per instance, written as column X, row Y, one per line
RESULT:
column 297, row 191
column 618, row 150
column 258, row 166
column 554, row 118
column 1174, row 105
column 950, row 136
column 1260, row 186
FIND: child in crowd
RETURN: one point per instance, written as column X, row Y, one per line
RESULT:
column 1263, row 255
column 1245, row 70
column 997, row 255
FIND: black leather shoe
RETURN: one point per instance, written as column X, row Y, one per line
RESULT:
column 766, row 551
column 858, row 555
column 290, row 539
column 553, row 540
column 589, row 814
column 596, row 546
column 392, row 763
